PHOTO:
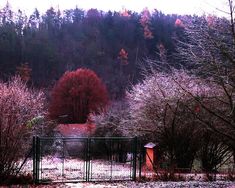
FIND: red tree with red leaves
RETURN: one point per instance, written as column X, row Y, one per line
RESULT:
column 76, row 95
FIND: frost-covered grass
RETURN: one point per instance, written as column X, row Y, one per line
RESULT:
column 152, row 184
column 73, row 170
column 70, row 169
column 191, row 184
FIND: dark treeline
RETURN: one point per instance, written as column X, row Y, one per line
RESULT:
column 110, row 43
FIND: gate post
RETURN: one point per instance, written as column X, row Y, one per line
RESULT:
column 36, row 158
column 134, row 158
column 87, row 159
column 140, row 158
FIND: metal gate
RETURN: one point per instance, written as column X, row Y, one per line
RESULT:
column 63, row 159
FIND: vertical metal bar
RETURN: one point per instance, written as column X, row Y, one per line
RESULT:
column 134, row 158
column 90, row 169
column 111, row 151
column 140, row 158
column 35, row 155
column 84, row 157
column 37, row 163
column 40, row 158
column 119, row 148
column 34, row 159
column 63, row 175
column 88, row 159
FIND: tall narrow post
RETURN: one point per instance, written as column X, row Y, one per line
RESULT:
column 140, row 158
column 88, row 160
column 134, row 158
column 34, row 159
column 37, row 157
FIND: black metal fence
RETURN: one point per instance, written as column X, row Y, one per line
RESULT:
column 59, row 159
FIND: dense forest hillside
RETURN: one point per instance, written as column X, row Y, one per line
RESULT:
column 45, row 45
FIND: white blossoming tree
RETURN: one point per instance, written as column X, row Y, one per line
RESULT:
column 162, row 106
column 210, row 52
column 18, row 105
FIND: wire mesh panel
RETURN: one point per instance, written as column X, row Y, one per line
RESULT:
column 111, row 159
column 75, row 159
column 61, row 159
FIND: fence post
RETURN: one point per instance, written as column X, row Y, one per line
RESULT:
column 37, row 157
column 34, row 159
column 87, row 159
column 134, row 158
column 140, row 159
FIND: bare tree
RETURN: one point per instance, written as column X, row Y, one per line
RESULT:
column 161, row 107
column 113, row 121
column 18, row 106
column 210, row 50
column 213, row 152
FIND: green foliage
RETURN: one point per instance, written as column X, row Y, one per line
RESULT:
column 34, row 121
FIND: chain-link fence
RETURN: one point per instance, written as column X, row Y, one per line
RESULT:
column 58, row 159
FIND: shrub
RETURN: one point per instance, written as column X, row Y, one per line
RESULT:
column 76, row 95
column 18, row 105
column 23, row 179
column 213, row 152
column 113, row 121
column 161, row 106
